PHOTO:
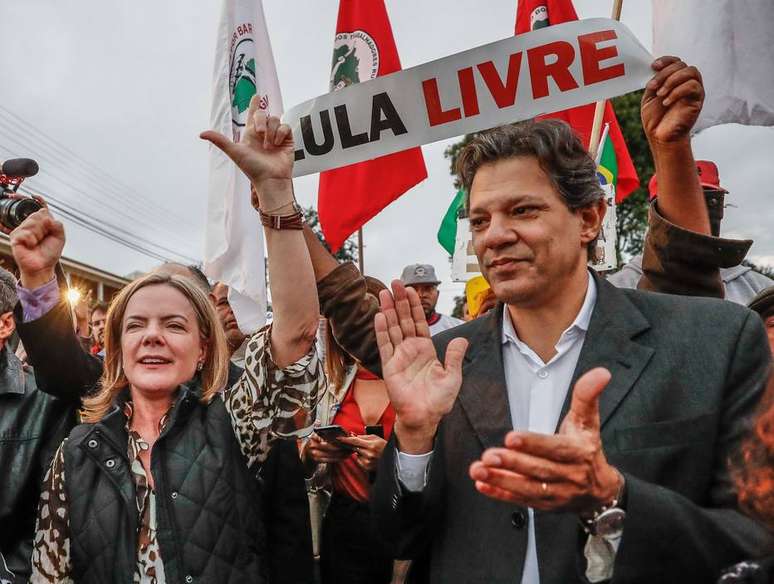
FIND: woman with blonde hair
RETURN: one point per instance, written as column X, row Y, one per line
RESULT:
column 160, row 483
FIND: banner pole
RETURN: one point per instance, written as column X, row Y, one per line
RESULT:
column 599, row 109
column 360, row 258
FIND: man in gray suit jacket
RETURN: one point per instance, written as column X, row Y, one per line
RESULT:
column 496, row 472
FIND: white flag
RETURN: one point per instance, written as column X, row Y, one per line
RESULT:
column 732, row 44
column 244, row 66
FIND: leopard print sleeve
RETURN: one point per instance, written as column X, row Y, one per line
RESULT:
column 268, row 402
column 51, row 547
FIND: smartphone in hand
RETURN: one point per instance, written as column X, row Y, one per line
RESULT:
column 332, row 433
column 377, row 430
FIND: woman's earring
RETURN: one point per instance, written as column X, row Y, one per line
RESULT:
column 199, row 365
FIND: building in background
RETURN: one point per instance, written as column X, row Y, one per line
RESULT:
column 103, row 285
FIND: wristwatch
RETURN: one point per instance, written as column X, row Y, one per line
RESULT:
column 608, row 520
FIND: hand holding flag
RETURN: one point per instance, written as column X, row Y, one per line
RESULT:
column 672, row 101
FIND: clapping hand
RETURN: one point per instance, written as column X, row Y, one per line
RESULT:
column 421, row 388
column 567, row 471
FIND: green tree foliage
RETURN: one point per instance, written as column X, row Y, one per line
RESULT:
column 767, row 271
column 451, row 153
column 348, row 251
column 459, row 303
column 632, row 213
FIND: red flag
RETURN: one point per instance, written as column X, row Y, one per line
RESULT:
column 534, row 14
column 348, row 197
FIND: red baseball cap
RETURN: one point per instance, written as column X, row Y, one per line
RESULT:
column 708, row 178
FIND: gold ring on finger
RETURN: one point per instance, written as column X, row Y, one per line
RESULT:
column 544, row 488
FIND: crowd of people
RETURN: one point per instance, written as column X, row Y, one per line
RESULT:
column 575, row 428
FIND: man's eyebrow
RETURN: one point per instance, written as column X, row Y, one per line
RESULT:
column 512, row 200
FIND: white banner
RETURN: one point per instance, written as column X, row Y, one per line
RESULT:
column 732, row 44
column 606, row 258
column 517, row 78
column 244, row 66
column 464, row 261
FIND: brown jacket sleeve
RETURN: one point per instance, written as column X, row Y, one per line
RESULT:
column 677, row 261
column 350, row 309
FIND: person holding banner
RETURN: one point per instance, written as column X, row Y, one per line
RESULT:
column 160, row 484
column 497, row 471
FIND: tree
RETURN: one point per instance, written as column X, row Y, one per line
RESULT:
column 632, row 213
column 767, row 271
column 459, row 303
column 451, row 153
column 348, row 251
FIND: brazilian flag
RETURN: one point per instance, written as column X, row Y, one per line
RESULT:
column 607, row 169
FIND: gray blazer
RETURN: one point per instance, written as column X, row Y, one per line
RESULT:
column 687, row 374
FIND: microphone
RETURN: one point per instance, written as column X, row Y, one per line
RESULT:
column 19, row 167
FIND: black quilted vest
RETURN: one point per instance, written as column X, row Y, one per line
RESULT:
column 208, row 505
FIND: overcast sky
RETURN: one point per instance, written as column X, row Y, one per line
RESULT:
column 125, row 88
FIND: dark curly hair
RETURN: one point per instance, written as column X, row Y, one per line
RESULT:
column 754, row 471
column 558, row 150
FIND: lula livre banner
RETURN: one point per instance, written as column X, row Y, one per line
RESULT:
column 517, row 78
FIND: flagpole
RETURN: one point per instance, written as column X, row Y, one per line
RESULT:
column 599, row 110
column 360, row 249
column 600, row 148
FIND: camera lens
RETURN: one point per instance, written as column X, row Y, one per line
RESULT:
column 14, row 211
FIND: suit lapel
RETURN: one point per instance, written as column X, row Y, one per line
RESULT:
column 610, row 343
column 484, row 396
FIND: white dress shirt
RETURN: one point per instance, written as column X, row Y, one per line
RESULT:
column 536, row 393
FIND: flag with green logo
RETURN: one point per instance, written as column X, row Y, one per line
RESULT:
column 447, row 232
column 244, row 67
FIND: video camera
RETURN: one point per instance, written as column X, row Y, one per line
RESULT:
column 14, row 210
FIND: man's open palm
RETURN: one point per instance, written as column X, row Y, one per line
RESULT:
column 422, row 389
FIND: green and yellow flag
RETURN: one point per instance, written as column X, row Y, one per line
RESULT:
column 607, row 167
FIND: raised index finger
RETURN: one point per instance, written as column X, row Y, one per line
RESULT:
column 390, row 314
column 383, row 342
column 417, row 313
column 403, row 308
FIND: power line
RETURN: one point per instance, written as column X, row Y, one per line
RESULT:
column 94, row 224
column 90, row 167
column 104, row 225
column 89, row 225
column 35, row 181
column 129, row 198
column 144, row 219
